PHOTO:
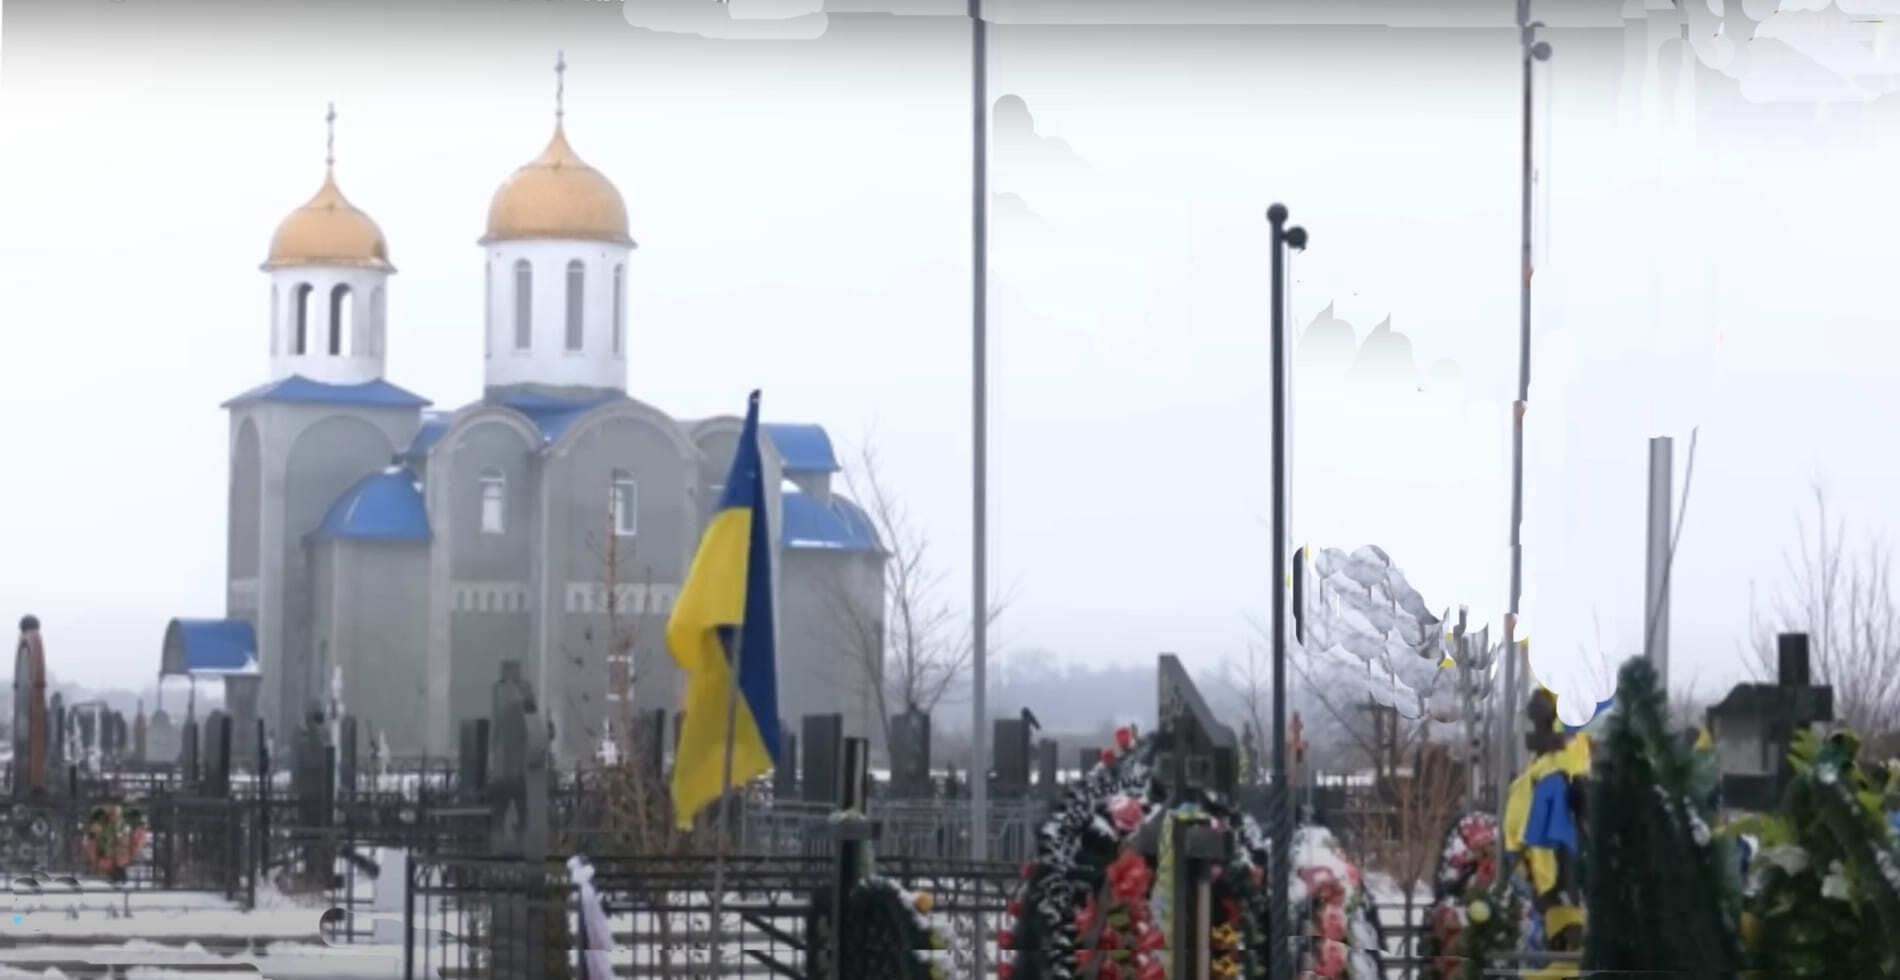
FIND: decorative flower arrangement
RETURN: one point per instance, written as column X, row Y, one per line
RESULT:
column 888, row 933
column 1473, row 914
column 1823, row 890
column 115, row 837
column 1330, row 900
column 1094, row 907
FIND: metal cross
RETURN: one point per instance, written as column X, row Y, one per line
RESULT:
column 329, row 138
column 560, row 83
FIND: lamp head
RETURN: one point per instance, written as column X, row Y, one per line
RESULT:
column 1296, row 238
column 1277, row 214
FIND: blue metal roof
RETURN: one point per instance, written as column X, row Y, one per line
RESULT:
column 209, row 646
column 385, row 506
column 808, row 523
column 297, row 388
column 805, row 448
column 434, row 426
column 554, row 416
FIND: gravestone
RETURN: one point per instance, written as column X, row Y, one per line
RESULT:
column 139, row 726
column 163, row 743
column 56, row 741
column 312, row 770
column 1196, row 749
column 346, row 756
column 785, row 773
column 824, row 758
column 910, row 754
column 1048, row 765
column 241, row 693
column 1010, row 755
column 188, row 753
column 1753, row 727
column 217, row 779
column 650, row 743
column 30, row 736
column 471, row 762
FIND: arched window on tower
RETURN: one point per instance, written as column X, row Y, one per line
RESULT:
column 488, row 309
column 377, row 322
column 494, row 500
column 624, row 502
column 302, row 317
column 620, row 329
column 524, row 304
column 342, row 320
column 576, row 286
column 276, row 331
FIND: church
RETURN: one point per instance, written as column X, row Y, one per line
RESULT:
column 387, row 559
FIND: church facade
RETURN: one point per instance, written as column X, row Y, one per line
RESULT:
column 390, row 558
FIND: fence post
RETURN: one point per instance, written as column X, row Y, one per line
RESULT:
column 409, row 919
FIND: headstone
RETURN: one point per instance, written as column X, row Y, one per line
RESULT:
column 217, row 780
column 1010, row 755
column 188, row 753
column 56, row 740
column 346, row 756
column 311, row 773
column 785, row 773
column 240, row 701
column 650, row 743
column 1048, row 764
column 910, row 754
column 30, row 735
column 139, row 728
column 823, row 759
column 1753, row 727
column 1197, row 749
column 472, row 761
column 163, row 743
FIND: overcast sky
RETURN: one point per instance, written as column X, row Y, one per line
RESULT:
column 799, row 187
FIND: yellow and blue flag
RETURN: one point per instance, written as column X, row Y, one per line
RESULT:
column 727, row 602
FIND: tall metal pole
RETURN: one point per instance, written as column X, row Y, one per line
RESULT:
column 1281, row 834
column 979, row 456
column 1656, row 624
column 1534, row 51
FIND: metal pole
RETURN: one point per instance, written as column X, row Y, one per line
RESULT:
column 1281, row 835
column 979, row 455
column 1534, row 51
column 715, row 954
column 1656, row 624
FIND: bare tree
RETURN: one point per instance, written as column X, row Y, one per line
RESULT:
column 911, row 652
column 1841, row 595
column 1405, row 840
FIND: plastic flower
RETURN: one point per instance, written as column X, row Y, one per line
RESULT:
column 1332, row 922
column 1332, row 960
column 1126, row 812
column 1479, row 910
column 1125, row 737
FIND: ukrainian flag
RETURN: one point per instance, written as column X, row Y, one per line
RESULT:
column 727, row 599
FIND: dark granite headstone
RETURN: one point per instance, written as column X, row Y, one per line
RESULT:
column 30, row 735
column 1009, row 748
column 471, row 761
column 824, row 758
column 1196, row 747
column 347, row 755
column 785, row 773
column 1048, row 764
column 1753, row 727
column 910, row 754
column 217, row 773
column 188, row 753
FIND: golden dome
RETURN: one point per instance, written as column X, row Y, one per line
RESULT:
column 557, row 195
column 329, row 230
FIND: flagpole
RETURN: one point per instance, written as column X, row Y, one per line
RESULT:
column 717, row 953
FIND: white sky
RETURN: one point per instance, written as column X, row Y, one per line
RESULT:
column 802, row 213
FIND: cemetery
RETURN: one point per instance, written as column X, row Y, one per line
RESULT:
column 1153, row 858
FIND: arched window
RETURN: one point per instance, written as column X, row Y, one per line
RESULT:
column 620, row 329
column 377, row 322
column 524, row 304
column 488, row 309
column 276, row 331
column 624, row 503
column 302, row 298
column 576, row 285
column 341, row 320
column 494, row 500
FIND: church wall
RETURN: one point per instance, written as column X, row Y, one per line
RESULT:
column 825, row 658
column 322, row 453
column 490, row 583
column 379, row 637
column 650, row 566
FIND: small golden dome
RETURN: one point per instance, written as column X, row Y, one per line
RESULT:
column 329, row 230
column 557, row 195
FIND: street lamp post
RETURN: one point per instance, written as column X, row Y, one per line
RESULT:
column 979, row 452
column 1280, row 863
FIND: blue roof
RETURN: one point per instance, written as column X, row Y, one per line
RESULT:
column 209, row 646
column 385, row 506
column 297, row 388
column 434, row 426
column 553, row 416
column 804, row 448
column 808, row 523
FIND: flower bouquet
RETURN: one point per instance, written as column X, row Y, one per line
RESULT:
column 114, row 839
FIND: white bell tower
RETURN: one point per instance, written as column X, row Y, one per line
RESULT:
column 329, row 270
column 556, row 277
